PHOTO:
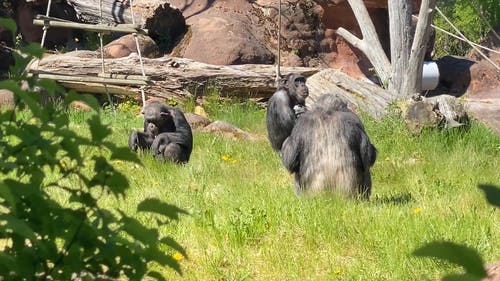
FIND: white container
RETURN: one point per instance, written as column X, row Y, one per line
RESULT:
column 430, row 75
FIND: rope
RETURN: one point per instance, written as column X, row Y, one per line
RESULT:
column 143, row 95
column 278, row 72
column 45, row 27
column 44, row 34
column 102, row 59
column 467, row 40
column 460, row 38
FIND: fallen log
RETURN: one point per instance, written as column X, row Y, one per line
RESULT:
column 177, row 78
column 361, row 95
column 169, row 77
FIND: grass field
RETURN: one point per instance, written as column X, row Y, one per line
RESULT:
column 246, row 223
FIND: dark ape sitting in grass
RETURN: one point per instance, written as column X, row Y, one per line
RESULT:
column 166, row 132
column 329, row 149
column 283, row 108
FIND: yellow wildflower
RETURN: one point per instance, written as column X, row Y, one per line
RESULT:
column 177, row 256
column 387, row 158
column 338, row 272
column 225, row 158
column 417, row 210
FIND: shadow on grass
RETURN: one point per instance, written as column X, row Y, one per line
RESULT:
column 396, row 199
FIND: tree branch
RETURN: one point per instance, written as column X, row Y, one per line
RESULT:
column 370, row 44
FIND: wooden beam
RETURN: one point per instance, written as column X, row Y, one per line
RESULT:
column 92, row 79
column 103, row 28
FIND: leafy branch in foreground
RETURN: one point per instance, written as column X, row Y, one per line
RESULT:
column 461, row 255
column 51, row 181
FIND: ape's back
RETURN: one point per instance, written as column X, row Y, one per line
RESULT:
column 331, row 157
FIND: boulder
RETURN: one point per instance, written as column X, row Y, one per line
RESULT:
column 125, row 45
column 196, row 121
column 221, row 33
column 228, row 130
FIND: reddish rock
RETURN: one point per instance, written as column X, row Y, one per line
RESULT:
column 493, row 272
column 6, row 99
column 125, row 45
column 221, row 32
column 196, row 121
column 227, row 130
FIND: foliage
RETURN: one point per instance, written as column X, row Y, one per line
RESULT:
column 474, row 18
column 52, row 182
column 458, row 254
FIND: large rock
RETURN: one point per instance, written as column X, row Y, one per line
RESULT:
column 221, row 33
column 240, row 31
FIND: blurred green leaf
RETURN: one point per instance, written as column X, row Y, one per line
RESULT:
column 492, row 194
column 8, row 262
column 18, row 226
column 153, row 205
column 464, row 256
column 10, row 85
column 33, row 49
column 10, row 24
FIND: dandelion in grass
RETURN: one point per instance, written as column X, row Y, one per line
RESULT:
column 338, row 272
column 387, row 158
column 227, row 158
column 177, row 256
column 417, row 211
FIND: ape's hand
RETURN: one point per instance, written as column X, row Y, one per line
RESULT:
column 299, row 110
column 133, row 141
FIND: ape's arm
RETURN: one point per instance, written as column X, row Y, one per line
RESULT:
column 280, row 119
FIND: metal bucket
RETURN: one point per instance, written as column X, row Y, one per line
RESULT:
column 430, row 75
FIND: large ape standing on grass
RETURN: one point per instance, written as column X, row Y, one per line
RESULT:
column 283, row 108
column 329, row 149
column 166, row 132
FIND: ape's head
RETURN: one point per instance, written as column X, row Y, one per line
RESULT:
column 157, row 118
column 295, row 84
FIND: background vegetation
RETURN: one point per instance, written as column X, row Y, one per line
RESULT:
column 474, row 18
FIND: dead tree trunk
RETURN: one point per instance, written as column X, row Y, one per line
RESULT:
column 370, row 44
column 404, row 80
column 400, row 30
column 413, row 79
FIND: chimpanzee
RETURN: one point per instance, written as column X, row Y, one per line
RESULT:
column 164, row 127
column 329, row 149
column 283, row 108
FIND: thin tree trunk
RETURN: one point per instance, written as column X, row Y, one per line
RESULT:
column 400, row 32
column 413, row 81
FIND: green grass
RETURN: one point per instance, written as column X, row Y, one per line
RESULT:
column 246, row 223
